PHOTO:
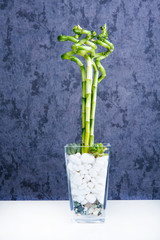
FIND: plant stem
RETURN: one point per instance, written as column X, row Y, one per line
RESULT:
column 86, row 47
column 99, row 65
column 63, row 38
column 88, row 99
column 83, row 103
column 69, row 56
column 93, row 103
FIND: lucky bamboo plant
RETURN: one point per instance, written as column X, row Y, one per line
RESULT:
column 86, row 47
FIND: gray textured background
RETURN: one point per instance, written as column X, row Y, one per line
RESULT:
column 40, row 96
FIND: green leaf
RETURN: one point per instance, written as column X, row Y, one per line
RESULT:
column 97, row 150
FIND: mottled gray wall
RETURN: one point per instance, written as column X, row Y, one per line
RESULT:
column 40, row 96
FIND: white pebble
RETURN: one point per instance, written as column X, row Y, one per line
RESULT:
column 94, row 190
column 102, row 160
column 78, row 192
column 100, row 180
column 88, row 190
column 72, row 158
column 100, row 198
column 73, row 186
column 103, row 173
column 90, row 185
column 75, row 175
column 77, row 161
column 82, row 167
column 87, row 166
column 74, row 198
column 100, row 188
column 87, row 177
column 97, row 167
column 76, row 168
column 87, row 158
column 77, row 180
column 84, row 202
column 82, row 192
column 84, row 171
column 78, row 155
column 80, row 198
column 84, row 180
column 70, row 166
column 83, row 186
column 93, row 180
column 74, row 191
column 91, row 198
column 92, row 172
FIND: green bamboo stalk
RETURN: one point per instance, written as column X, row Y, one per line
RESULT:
column 78, row 30
column 88, row 99
column 69, row 56
column 63, row 38
column 100, row 56
column 93, row 103
column 86, row 47
column 83, row 104
column 101, row 68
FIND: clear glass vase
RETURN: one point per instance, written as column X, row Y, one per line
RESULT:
column 88, row 177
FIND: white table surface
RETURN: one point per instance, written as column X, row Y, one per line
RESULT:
column 45, row 220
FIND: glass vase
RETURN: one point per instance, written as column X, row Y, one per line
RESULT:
column 88, row 178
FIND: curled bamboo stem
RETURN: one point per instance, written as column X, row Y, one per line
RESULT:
column 87, row 47
column 93, row 105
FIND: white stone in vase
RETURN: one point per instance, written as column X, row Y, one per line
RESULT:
column 87, row 166
column 83, row 186
column 87, row 177
column 74, row 191
column 77, row 168
column 75, row 174
column 103, row 173
column 84, row 171
column 74, row 197
column 100, row 188
column 87, row 158
column 87, row 190
column 91, row 198
column 78, row 192
column 70, row 166
column 100, row 180
column 73, row 185
column 92, row 172
column 80, row 198
column 100, row 197
column 82, row 167
column 102, row 161
column 77, row 161
column 90, row 185
column 84, row 201
column 97, row 167
column 82, row 192
column 72, row 158
column 84, row 180
column 78, row 155
column 93, row 180
column 94, row 190
column 77, row 180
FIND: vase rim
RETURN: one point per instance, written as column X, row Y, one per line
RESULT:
column 105, row 144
